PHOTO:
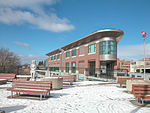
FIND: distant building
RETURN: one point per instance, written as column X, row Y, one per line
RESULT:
column 123, row 65
column 93, row 55
column 138, row 66
column 137, row 69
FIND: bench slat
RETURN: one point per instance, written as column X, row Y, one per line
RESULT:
column 7, row 76
column 143, row 96
column 27, row 87
column 141, row 91
column 28, row 91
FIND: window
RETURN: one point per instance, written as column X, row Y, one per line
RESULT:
column 68, row 54
column 58, row 57
column 92, row 48
column 56, row 69
column 108, row 47
column 51, row 57
column 55, row 57
column 74, row 52
column 51, row 69
column 73, row 67
column 67, row 67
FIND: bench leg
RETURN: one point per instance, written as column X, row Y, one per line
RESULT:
column 11, row 94
column 142, row 101
column 44, row 95
column 120, row 85
column 40, row 96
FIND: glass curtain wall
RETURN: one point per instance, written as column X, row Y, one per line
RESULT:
column 108, row 47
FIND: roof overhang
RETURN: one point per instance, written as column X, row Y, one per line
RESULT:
column 95, row 36
column 54, row 52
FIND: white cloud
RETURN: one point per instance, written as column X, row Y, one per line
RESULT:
column 23, row 11
column 21, row 44
column 133, row 51
column 27, row 59
column 25, row 3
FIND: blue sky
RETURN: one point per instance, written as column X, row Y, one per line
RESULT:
column 33, row 28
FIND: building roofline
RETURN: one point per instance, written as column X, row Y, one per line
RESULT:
column 91, row 37
column 54, row 52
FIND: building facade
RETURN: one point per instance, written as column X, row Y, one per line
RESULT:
column 92, row 55
column 123, row 65
column 138, row 66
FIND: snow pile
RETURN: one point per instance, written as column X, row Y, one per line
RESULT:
column 85, row 99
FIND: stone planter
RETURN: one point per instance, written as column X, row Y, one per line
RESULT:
column 57, row 82
column 23, row 77
column 129, row 83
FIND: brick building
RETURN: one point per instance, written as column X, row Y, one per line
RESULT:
column 123, row 65
column 92, row 55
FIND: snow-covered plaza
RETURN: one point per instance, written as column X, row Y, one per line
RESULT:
column 82, row 97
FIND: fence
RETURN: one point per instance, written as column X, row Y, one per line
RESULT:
column 94, row 72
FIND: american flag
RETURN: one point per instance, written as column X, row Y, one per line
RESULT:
column 143, row 34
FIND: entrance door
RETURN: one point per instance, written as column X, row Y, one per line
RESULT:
column 109, row 70
column 92, row 68
column 106, row 70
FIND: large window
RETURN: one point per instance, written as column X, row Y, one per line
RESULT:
column 58, row 56
column 108, row 47
column 74, row 52
column 67, row 67
column 92, row 48
column 73, row 67
column 68, row 54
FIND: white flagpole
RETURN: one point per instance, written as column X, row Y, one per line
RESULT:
column 144, row 60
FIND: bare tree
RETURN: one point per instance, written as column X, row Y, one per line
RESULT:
column 9, row 62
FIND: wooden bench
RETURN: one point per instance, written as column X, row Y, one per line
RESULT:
column 33, row 87
column 122, row 80
column 7, row 76
column 67, row 78
column 141, row 92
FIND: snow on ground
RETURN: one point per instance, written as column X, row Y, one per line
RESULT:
column 104, row 98
column 85, row 83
